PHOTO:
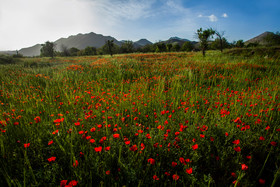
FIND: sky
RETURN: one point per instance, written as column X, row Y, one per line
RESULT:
column 24, row 23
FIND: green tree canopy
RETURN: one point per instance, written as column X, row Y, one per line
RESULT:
column 48, row 49
column 203, row 36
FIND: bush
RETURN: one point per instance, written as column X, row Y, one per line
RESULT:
column 6, row 59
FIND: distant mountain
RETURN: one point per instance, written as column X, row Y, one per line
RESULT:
column 143, row 42
column 81, row 41
column 175, row 40
column 31, row 51
column 261, row 39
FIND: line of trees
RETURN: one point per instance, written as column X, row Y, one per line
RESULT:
column 204, row 36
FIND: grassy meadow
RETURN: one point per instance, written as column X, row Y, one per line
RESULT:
column 165, row 119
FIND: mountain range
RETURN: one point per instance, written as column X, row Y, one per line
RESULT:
column 81, row 41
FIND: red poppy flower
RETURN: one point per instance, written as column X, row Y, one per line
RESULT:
column 155, row 178
column 261, row 181
column 108, row 172
column 75, row 164
column 50, row 142
column 237, row 149
column 116, row 135
column 73, row 183
column 244, row 167
column 107, row 148
column 175, row 177
column 37, row 119
column 133, row 148
column 151, row 161
column 63, row 183
column 98, row 149
column 26, row 145
column 236, row 142
column 195, row 147
column 189, row 170
column 174, row 164
column 51, row 159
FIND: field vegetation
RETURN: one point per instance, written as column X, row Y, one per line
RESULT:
column 155, row 119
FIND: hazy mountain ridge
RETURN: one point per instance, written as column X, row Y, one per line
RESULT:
column 81, row 41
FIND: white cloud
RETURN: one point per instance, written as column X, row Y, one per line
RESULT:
column 224, row 15
column 212, row 18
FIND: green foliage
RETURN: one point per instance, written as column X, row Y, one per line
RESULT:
column 6, row 59
column 272, row 39
column 187, row 46
column 162, row 119
column 240, row 44
column 48, row 49
column 110, row 48
column 203, row 36
column 127, row 47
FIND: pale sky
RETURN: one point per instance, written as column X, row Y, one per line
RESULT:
column 24, row 23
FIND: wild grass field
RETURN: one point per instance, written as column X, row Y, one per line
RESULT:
column 168, row 119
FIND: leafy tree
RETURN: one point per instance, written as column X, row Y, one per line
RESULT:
column 187, row 46
column 160, row 47
column 176, row 47
column 272, row 39
column 88, row 51
column 64, row 50
column 127, row 47
column 48, row 49
column 239, row 44
column 217, row 43
column 73, row 51
column 169, row 47
column 203, row 36
column 110, row 47
column 221, row 39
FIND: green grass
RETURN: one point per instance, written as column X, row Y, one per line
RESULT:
column 160, row 105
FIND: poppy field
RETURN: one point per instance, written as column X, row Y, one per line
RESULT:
column 163, row 119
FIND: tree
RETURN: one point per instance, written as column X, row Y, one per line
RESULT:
column 216, row 44
column 187, row 46
column 272, row 39
column 169, row 46
column 108, row 47
column 239, row 44
column 47, row 49
column 127, row 47
column 64, row 50
column 73, row 51
column 175, row 47
column 221, row 39
column 203, row 36
column 160, row 47
column 89, row 51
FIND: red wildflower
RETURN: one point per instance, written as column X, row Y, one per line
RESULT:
column 189, row 170
column 151, row 161
column 261, row 181
column 237, row 120
column 50, row 142
column 26, row 145
column 58, row 120
column 63, row 183
column 133, row 148
column 174, row 164
column 175, row 177
column 98, row 149
column 195, row 147
column 107, row 148
column 37, row 119
column 244, row 167
column 273, row 143
column 261, row 138
column 92, row 141
column 108, row 172
column 51, row 159
column 236, row 142
column 75, row 164
column 237, row 149
column 73, row 183
column 116, row 135
column 127, row 142
column 155, row 178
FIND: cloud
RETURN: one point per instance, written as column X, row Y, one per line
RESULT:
column 224, row 15
column 211, row 18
